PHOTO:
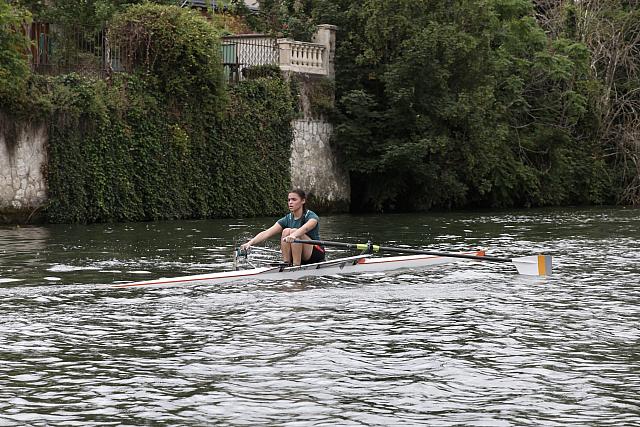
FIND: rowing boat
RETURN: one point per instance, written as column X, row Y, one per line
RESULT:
column 355, row 264
column 535, row 265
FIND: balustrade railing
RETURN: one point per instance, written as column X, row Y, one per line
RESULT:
column 302, row 57
column 244, row 51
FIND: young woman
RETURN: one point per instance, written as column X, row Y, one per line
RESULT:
column 299, row 224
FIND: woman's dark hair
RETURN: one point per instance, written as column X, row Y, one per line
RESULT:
column 300, row 192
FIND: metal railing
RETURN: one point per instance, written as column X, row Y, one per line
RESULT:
column 244, row 51
column 248, row 50
column 58, row 50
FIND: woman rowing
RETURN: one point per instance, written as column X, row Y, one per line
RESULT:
column 299, row 224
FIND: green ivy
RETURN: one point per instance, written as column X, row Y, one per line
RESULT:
column 118, row 153
column 167, row 139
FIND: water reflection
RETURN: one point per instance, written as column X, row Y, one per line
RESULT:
column 22, row 239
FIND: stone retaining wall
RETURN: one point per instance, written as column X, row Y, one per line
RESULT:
column 23, row 159
column 314, row 167
column 23, row 156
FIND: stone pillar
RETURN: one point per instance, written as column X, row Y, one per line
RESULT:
column 284, row 48
column 326, row 36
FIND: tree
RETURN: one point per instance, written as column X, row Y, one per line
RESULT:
column 461, row 103
column 14, row 50
column 287, row 18
column 611, row 29
column 89, row 14
column 176, row 49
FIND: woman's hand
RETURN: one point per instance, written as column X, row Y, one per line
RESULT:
column 288, row 239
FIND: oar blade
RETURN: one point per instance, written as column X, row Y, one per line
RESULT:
column 534, row 265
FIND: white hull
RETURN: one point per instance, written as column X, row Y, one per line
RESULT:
column 356, row 264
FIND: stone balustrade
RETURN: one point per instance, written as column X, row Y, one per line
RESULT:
column 248, row 50
column 301, row 57
column 310, row 58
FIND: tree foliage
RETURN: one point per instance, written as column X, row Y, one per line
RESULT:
column 14, row 45
column 287, row 18
column 175, row 47
column 611, row 30
column 94, row 14
column 455, row 103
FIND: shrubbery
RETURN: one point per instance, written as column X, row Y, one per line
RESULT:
column 14, row 68
column 464, row 104
column 166, row 140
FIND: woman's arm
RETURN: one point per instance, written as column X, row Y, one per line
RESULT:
column 308, row 226
column 263, row 235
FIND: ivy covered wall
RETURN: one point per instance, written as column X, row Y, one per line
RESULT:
column 168, row 139
column 117, row 153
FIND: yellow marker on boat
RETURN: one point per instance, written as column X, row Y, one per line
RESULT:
column 534, row 265
column 544, row 265
column 366, row 247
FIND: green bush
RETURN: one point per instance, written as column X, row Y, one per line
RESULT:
column 257, row 71
column 176, row 48
column 14, row 68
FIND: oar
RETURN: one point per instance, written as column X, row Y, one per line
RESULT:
column 532, row 265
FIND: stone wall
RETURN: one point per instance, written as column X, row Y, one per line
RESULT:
column 315, row 169
column 23, row 190
column 22, row 158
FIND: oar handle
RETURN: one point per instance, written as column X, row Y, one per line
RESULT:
column 376, row 248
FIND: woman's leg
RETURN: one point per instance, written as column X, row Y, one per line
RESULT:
column 295, row 252
column 305, row 250
column 285, row 247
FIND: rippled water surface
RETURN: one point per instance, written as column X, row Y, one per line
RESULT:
column 465, row 344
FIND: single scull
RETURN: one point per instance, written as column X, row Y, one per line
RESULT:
column 529, row 265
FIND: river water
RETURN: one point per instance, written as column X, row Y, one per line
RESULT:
column 465, row 344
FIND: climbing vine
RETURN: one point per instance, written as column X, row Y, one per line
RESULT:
column 149, row 145
column 117, row 153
